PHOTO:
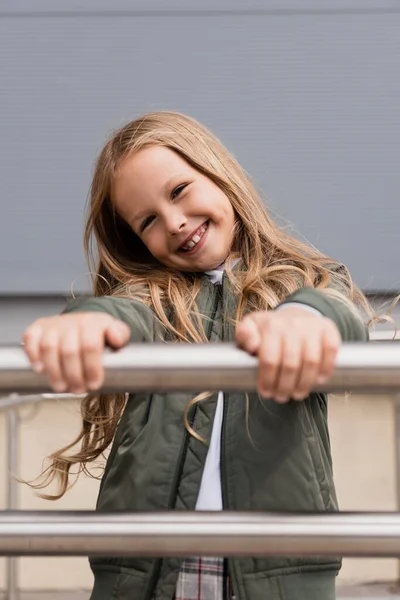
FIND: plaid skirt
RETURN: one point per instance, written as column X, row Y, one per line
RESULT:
column 204, row 579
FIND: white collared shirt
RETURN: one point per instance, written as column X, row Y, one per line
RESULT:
column 210, row 492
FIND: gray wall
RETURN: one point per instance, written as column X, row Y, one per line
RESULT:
column 305, row 93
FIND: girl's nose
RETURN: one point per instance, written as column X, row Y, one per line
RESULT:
column 175, row 223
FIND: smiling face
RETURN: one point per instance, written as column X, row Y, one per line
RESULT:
column 185, row 220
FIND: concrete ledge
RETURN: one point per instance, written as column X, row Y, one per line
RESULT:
column 379, row 591
column 51, row 595
column 373, row 591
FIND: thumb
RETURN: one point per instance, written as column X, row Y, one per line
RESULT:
column 117, row 334
column 248, row 335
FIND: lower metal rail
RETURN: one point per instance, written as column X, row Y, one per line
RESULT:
column 199, row 534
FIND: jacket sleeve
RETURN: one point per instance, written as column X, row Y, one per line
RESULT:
column 350, row 325
column 139, row 317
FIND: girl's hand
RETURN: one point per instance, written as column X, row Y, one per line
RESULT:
column 68, row 348
column 296, row 349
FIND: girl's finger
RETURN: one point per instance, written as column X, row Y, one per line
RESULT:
column 49, row 357
column 92, row 346
column 269, row 361
column 248, row 335
column 31, row 340
column 310, row 366
column 331, row 341
column 291, row 367
column 117, row 333
column 71, row 361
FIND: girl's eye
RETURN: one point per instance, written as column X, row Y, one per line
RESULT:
column 146, row 223
column 178, row 190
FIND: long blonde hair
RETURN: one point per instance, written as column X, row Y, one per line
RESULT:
column 274, row 263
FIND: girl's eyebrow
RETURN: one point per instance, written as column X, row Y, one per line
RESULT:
column 167, row 186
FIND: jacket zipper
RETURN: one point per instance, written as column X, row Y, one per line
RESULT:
column 182, row 454
column 224, row 492
column 222, row 473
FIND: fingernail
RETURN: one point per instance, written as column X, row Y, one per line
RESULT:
column 281, row 399
column 299, row 396
column 58, row 386
column 93, row 385
column 37, row 367
column 266, row 394
column 78, row 391
column 321, row 379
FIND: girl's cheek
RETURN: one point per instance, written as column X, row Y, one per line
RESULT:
column 160, row 249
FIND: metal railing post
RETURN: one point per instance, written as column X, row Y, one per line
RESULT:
column 397, row 459
column 12, row 502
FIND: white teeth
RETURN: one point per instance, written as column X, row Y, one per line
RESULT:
column 195, row 239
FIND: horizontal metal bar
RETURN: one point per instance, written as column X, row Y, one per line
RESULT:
column 15, row 401
column 198, row 367
column 199, row 534
column 195, row 367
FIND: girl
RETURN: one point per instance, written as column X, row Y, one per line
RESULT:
column 187, row 253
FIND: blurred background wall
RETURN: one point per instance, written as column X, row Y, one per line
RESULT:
column 306, row 95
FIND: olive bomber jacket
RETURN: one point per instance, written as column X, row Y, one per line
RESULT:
column 284, row 465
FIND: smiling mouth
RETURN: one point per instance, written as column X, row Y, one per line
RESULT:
column 191, row 244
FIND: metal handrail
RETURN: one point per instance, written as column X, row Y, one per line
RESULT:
column 356, row 537
column 199, row 534
column 196, row 367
